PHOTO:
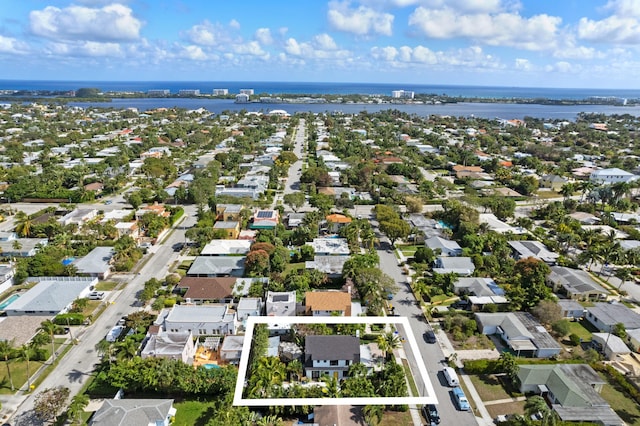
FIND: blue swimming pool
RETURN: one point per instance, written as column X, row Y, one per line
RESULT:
column 210, row 366
column 9, row 301
column 68, row 260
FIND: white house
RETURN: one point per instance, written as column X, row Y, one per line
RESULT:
column 611, row 176
column 200, row 320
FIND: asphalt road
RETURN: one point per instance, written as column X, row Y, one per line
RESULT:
column 75, row 368
column 405, row 305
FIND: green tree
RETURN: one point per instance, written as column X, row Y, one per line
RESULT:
column 257, row 263
column 23, row 224
column 25, row 353
column 49, row 328
column 387, row 342
column 373, row 414
column 395, row 229
column 295, row 200
column 510, row 366
column 76, row 408
column 534, row 405
column 6, row 352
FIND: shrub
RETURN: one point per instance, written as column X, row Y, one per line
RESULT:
column 575, row 339
column 483, row 366
column 69, row 319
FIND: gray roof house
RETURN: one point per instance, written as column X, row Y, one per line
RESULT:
column 207, row 320
column 134, row 412
column 571, row 309
column 329, row 355
column 454, row 265
column 330, row 265
column 97, row 263
column 170, row 345
column 520, row 331
column 575, row 283
column 231, row 349
column 535, row 249
column 281, row 303
column 604, row 316
column 217, row 266
column 482, row 291
column 572, row 389
column 51, row 295
column 446, row 247
column 330, row 246
column 226, row 248
column 609, row 344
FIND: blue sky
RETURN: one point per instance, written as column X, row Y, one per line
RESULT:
column 532, row 43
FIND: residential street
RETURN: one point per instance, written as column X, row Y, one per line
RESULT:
column 75, row 368
column 406, row 305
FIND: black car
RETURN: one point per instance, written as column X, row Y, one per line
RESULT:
column 430, row 412
column 429, row 337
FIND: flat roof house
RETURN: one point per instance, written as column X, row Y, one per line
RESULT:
column 330, row 246
column 330, row 265
column 520, row 331
column 226, row 248
column 51, row 295
column 217, row 266
column 230, row 227
column 330, row 355
column 200, row 320
column 576, row 284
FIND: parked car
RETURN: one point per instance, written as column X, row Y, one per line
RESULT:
column 96, row 295
column 461, row 399
column 430, row 412
column 429, row 336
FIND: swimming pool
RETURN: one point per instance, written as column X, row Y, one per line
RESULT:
column 68, row 260
column 9, row 301
column 210, row 366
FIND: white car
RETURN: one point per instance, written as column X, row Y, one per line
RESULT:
column 96, row 295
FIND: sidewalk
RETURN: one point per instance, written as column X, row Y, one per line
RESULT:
column 485, row 418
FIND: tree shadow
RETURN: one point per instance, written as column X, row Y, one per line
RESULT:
column 207, row 415
column 76, row 375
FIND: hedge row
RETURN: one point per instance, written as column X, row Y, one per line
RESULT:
column 620, row 380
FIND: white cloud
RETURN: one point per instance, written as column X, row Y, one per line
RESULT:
column 12, row 45
column 361, row 21
column 234, row 24
column 194, row 53
column 263, row 35
column 114, row 22
column 251, row 48
column 523, row 64
column 85, row 49
column 629, row 8
column 563, row 67
column 405, row 56
column 614, row 29
column 325, row 42
column 320, row 47
column 538, row 32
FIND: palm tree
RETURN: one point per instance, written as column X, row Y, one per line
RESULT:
column 76, row 408
column 6, row 350
column 50, row 328
column 294, row 369
column 24, row 353
column 105, row 348
column 624, row 275
column 127, row 349
column 23, row 224
column 332, row 388
column 373, row 414
column 388, row 342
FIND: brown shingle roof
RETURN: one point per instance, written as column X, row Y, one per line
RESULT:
column 207, row 288
column 328, row 301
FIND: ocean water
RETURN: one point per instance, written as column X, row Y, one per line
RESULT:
column 218, row 106
column 314, row 88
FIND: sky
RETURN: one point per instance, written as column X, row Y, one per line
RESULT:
column 522, row 43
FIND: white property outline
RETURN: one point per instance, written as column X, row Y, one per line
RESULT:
column 429, row 398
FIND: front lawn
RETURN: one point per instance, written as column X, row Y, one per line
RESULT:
column 193, row 413
column 624, row 406
column 106, row 286
column 577, row 328
column 516, row 407
column 396, row 418
column 18, row 373
column 408, row 250
column 489, row 387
